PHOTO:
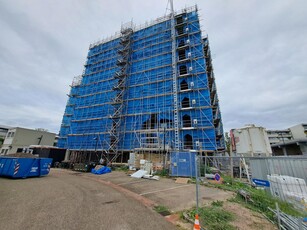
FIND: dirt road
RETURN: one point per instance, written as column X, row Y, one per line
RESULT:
column 68, row 201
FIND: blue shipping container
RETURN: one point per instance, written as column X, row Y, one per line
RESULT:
column 24, row 167
column 183, row 164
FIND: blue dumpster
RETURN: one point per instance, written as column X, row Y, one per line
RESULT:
column 24, row 167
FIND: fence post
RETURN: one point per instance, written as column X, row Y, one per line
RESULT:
column 278, row 215
column 231, row 161
column 196, row 177
column 300, row 223
column 205, row 168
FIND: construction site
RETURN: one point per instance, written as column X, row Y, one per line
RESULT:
column 148, row 92
column 144, row 119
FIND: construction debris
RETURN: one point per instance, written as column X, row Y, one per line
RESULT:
column 182, row 180
column 144, row 174
column 245, row 195
column 101, row 170
column 139, row 174
column 151, row 177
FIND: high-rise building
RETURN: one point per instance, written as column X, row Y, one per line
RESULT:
column 149, row 88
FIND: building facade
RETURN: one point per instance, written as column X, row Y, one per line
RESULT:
column 19, row 138
column 3, row 132
column 299, row 131
column 149, row 88
column 291, row 141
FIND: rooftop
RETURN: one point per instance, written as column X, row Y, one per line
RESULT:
column 145, row 25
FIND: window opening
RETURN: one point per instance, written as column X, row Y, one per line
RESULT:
column 181, row 54
column 186, row 121
column 184, row 85
column 188, row 141
column 183, row 70
column 185, row 103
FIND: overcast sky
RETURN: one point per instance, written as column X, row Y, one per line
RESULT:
column 259, row 55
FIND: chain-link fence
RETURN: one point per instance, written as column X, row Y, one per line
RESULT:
column 275, row 186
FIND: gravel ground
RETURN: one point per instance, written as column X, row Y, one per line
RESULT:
column 63, row 200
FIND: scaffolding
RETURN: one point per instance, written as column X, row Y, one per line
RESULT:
column 120, row 86
column 148, row 89
column 217, row 118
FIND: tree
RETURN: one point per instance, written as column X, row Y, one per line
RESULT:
column 227, row 142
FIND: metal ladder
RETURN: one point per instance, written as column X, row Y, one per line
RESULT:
column 175, row 88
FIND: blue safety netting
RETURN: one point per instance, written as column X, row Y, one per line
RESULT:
column 148, row 99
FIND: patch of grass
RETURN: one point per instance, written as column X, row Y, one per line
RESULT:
column 217, row 203
column 230, row 184
column 261, row 199
column 162, row 173
column 124, row 168
column 161, row 208
column 181, row 215
column 214, row 217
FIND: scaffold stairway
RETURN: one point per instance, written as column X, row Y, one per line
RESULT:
column 117, row 102
column 175, row 88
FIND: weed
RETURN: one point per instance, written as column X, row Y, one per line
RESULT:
column 261, row 199
column 160, row 208
column 122, row 168
column 205, row 169
column 162, row 173
column 214, row 217
column 217, row 203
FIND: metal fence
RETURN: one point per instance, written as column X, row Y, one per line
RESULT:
column 280, row 178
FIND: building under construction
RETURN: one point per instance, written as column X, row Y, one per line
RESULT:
column 147, row 90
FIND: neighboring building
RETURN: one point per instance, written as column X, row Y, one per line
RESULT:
column 3, row 131
column 299, row 131
column 291, row 141
column 251, row 141
column 19, row 138
column 147, row 89
column 56, row 140
column 279, row 136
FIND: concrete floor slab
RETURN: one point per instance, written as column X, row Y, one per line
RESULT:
column 166, row 191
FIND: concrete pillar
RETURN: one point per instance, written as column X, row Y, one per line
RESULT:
column 67, row 154
column 284, row 150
